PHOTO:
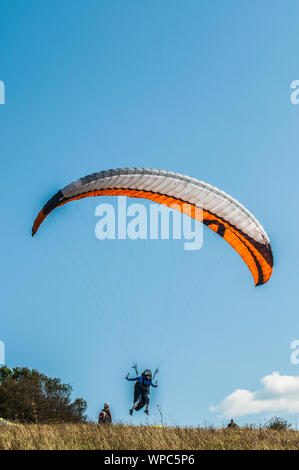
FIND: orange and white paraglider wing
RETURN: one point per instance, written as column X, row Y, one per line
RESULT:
column 219, row 211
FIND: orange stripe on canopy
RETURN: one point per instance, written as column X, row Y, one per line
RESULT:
column 260, row 268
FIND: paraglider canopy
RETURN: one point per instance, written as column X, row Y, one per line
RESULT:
column 219, row 211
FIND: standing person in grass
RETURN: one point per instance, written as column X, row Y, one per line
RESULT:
column 232, row 424
column 142, row 391
column 105, row 416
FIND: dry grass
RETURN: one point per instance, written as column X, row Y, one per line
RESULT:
column 118, row 437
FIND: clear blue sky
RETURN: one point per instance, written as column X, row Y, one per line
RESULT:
column 197, row 87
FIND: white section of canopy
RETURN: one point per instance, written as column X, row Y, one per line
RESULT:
column 174, row 185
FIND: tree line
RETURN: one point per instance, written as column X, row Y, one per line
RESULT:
column 28, row 396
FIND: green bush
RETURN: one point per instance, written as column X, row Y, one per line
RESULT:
column 277, row 424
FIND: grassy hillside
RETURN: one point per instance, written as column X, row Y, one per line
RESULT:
column 89, row 436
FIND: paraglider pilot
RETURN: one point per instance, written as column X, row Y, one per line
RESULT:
column 142, row 391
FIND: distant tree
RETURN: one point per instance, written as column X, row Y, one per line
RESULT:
column 278, row 424
column 27, row 396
